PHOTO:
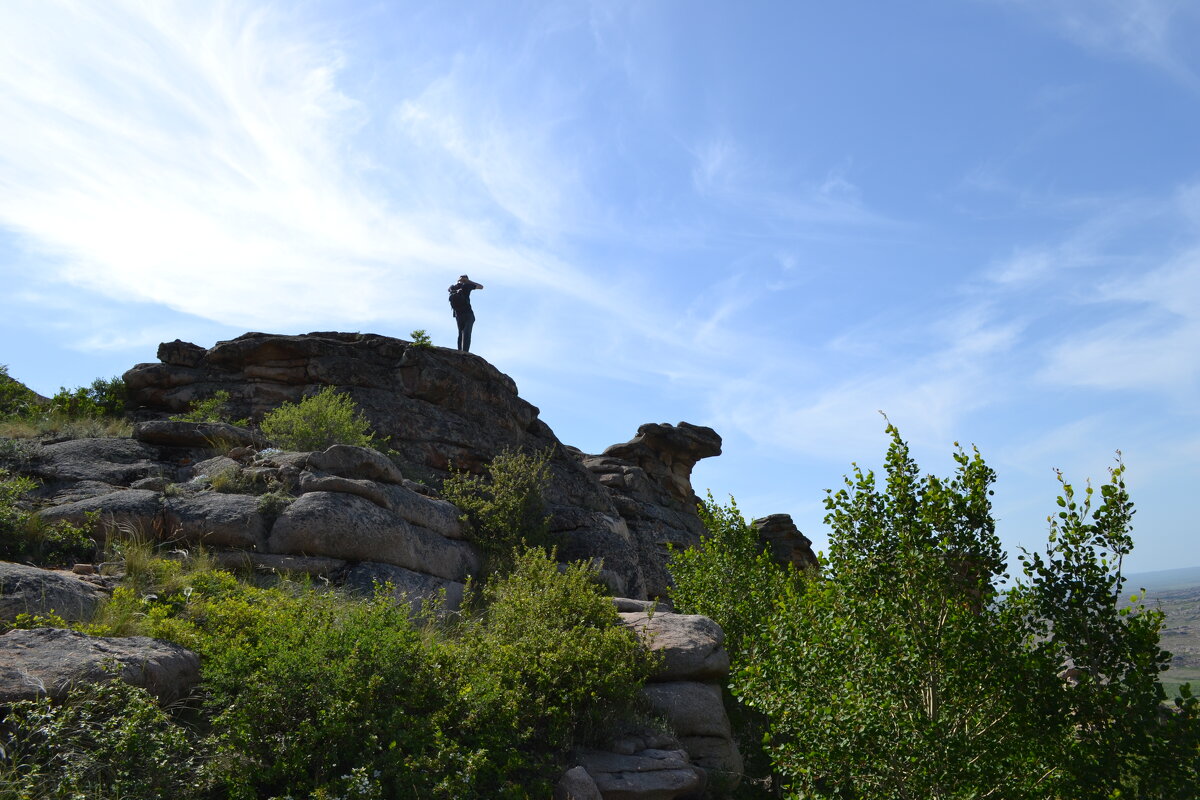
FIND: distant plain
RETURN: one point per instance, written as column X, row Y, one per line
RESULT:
column 1177, row 593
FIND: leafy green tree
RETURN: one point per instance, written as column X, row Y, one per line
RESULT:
column 896, row 675
column 1121, row 742
column 903, row 671
column 327, row 418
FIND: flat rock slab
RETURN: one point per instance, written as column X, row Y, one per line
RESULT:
column 114, row 461
column 346, row 526
column 282, row 564
column 210, row 435
column 214, row 518
column 647, row 775
column 32, row 590
column 49, row 660
column 692, row 646
column 135, row 508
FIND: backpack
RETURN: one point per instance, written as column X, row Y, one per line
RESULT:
column 460, row 296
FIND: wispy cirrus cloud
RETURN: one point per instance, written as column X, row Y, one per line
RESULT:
column 1160, row 33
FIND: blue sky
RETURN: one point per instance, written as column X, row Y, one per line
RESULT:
column 979, row 216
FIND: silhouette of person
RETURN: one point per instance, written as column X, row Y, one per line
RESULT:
column 460, row 301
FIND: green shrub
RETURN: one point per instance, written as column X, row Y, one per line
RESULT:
column 25, row 537
column 509, row 511
column 542, row 668
column 421, row 339
column 106, row 740
column 104, row 398
column 730, row 577
column 315, row 423
column 211, row 409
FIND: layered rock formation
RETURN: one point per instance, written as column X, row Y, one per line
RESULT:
column 439, row 410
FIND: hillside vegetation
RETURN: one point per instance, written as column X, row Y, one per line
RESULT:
column 900, row 670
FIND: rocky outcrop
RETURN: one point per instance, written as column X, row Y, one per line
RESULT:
column 49, row 660
column 785, row 542
column 439, row 409
column 649, row 480
column 685, row 690
column 35, row 591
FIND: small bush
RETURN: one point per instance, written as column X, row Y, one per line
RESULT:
column 327, row 418
column 105, row 740
column 25, row 537
column 509, row 511
column 211, row 409
column 421, row 339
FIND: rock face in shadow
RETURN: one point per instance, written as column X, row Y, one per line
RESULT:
column 649, row 480
column 438, row 410
column 785, row 542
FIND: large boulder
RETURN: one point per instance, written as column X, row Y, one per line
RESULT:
column 692, row 647
column 136, row 510
column 49, row 660
column 345, row 526
column 696, row 712
column 116, row 462
column 785, row 542
column 215, row 519
column 32, row 590
column 210, row 435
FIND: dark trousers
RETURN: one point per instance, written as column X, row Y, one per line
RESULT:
column 466, row 321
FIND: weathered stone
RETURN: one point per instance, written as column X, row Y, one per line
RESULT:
column 408, row 587
column 136, row 509
column 691, row 646
column 180, row 353
column 310, row 481
column 647, row 775
column 117, row 462
column 210, row 435
column 215, row 466
column 356, row 462
column 215, row 519
column 696, row 713
column 649, row 479
column 350, row 527
column 785, row 541
column 576, row 784
column 280, row 564
column 49, row 660
column 32, row 590
column 437, row 408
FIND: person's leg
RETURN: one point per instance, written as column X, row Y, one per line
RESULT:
column 466, row 323
column 461, row 323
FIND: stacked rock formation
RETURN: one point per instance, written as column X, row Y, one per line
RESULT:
column 441, row 409
column 649, row 479
column 700, row 759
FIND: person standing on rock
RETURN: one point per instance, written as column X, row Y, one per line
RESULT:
column 460, row 301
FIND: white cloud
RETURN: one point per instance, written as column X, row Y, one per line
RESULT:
column 1157, row 32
